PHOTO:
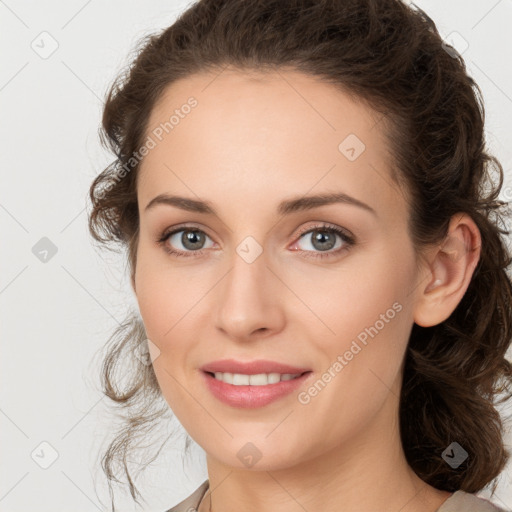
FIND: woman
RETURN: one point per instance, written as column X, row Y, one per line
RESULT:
column 313, row 238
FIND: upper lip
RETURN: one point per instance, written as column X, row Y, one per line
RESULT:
column 251, row 367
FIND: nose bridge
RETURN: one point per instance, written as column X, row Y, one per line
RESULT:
column 248, row 297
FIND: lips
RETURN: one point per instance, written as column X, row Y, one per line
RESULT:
column 238, row 394
column 250, row 397
column 252, row 367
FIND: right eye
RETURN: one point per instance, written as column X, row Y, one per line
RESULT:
column 191, row 239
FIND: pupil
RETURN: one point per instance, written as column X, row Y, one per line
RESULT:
column 321, row 237
column 191, row 238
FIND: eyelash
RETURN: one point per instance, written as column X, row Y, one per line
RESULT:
column 348, row 240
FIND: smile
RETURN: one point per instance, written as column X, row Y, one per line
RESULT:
column 260, row 379
column 251, row 391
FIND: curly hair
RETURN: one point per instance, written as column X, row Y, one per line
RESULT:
column 390, row 56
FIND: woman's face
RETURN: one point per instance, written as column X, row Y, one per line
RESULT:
column 264, row 278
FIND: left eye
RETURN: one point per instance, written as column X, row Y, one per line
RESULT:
column 321, row 240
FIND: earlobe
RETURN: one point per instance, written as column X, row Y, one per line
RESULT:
column 451, row 267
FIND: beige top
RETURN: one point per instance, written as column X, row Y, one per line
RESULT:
column 459, row 501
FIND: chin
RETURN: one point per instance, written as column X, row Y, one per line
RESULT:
column 255, row 453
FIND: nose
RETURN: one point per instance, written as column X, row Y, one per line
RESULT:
column 250, row 300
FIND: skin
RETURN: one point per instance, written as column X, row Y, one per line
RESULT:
column 254, row 140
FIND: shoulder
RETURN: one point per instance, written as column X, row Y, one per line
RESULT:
column 191, row 503
column 461, row 501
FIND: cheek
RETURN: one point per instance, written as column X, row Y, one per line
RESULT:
column 352, row 301
column 365, row 313
column 361, row 357
column 170, row 301
column 161, row 294
column 166, row 313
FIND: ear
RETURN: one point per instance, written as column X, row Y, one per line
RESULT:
column 449, row 270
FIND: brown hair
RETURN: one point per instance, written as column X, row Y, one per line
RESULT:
column 391, row 56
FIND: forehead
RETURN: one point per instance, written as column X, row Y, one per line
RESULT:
column 282, row 97
column 269, row 133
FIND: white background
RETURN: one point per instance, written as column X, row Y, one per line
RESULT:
column 56, row 315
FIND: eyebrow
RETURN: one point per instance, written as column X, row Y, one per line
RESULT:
column 286, row 207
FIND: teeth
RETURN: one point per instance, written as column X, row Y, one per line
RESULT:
column 260, row 379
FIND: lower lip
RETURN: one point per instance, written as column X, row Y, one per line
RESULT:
column 250, row 397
